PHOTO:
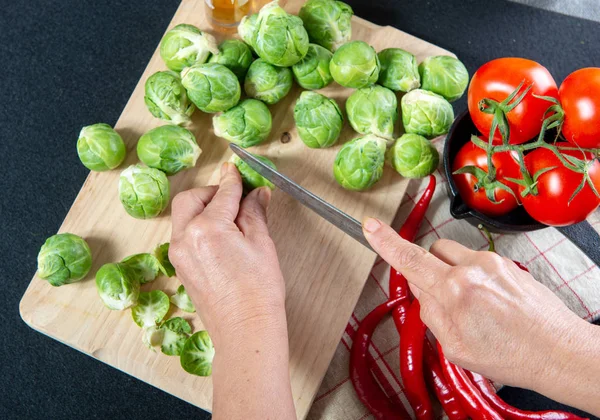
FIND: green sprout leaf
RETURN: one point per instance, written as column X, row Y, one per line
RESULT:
column 161, row 253
column 197, row 354
column 144, row 267
column 117, row 286
column 151, row 308
column 176, row 330
column 153, row 336
column 182, row 300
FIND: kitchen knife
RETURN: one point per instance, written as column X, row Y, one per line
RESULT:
column 332, row 214
column 584, row 237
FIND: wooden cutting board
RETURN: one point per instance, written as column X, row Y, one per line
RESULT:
column 324, row 269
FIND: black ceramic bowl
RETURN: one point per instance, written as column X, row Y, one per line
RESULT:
column 516, row 221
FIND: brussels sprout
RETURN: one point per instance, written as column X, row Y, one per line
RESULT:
column 166, row 98
column 185, row 45
column 267, row 82
column 235, row 55
column 250, row 178
column 144, row 192
column 100, row 148
column 318, row 119
column 151, row 308
column 211, row 86
column 198, row 354
column 144, row 267
column 355, row 65
column 312, row 72
column 63, row 259
column 359, row 163
column 373, row 110
column 161, row 253
column 182, row 300
column 169, row 148
column 246, row 124
column 177, row 330
column 445, row 76
column 426, row 113
column 413, row 156
column 117, row 286
column 277, row 37
column 328, row 22
column 399, row 70
column 153, row 336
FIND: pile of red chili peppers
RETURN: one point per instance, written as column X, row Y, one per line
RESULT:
column 462, row 394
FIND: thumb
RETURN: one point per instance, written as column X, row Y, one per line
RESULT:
column 421, row 269
column 252, row 218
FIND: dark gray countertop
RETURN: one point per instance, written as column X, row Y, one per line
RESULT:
column 69, row 63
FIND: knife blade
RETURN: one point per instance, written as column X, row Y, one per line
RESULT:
column 584, row 237
column 332, row 214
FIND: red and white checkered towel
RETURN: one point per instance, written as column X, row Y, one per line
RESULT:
column 548, row 255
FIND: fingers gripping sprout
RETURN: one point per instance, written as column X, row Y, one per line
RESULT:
column 166, row 98
column 176, row 332
column 246, row 124
column 182, row 300
column 198, row 354
column 117, row 286
column 250, row 178
column 318, row 119
column 373, row 110
column 151, row 308
column 144, row 192
column 144, row 267
column 235, row 55
column 328, row 22
column 169, row 148
column 100, row 148
column 426, row 113
column 212, row 87
column 267, row 82
column 399, row 70
column 185, row 45
column 312, row 72
column 63, row 259
column 355, row 65
column 445, row 76
column 359, row 163
column 161, row 253
column 413, row 156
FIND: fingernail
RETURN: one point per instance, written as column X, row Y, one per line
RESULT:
column 224, row 169
column 231, row 168
column 371, row 225
column 264, row 197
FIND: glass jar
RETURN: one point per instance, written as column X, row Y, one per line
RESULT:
column 225, row 15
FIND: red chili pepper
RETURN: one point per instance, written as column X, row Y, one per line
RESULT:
column 492, row 247
column 411, row 363
column 367, row 389
column 436, row 379
column 511, row 413
column 468, row 395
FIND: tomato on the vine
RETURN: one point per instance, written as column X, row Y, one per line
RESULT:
column 496, row 81
column 473, row 189
column 579, row 97
column 554, row 203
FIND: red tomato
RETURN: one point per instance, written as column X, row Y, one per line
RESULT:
column 475, row 196
column 580, row 100
column 554, row 189
column 497, row 80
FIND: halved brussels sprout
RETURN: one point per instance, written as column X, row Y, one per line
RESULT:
column 246, row 124
column 144, row 267
column 150, row 309
column 426, row 113
column 328, row 22
column 169, row 148
column 277, row 37
column 413, row 156
column 185, row 45
column 235, row 55
column 144, row 192
column 161, row 253
column 399, row 70
column 267, row 82
column 445, row 76
column 312, row 72
column 182, row 300
column 167, row 99
column 63, row 259
column 373, row 110
column 355, row 65
column 359, row 163
column 198, row 354
column 153, row 336
column 211, row 86
column 100, row 147
column 117, row 286
column 318, row 119
column 177, row 330
column 250, row 178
